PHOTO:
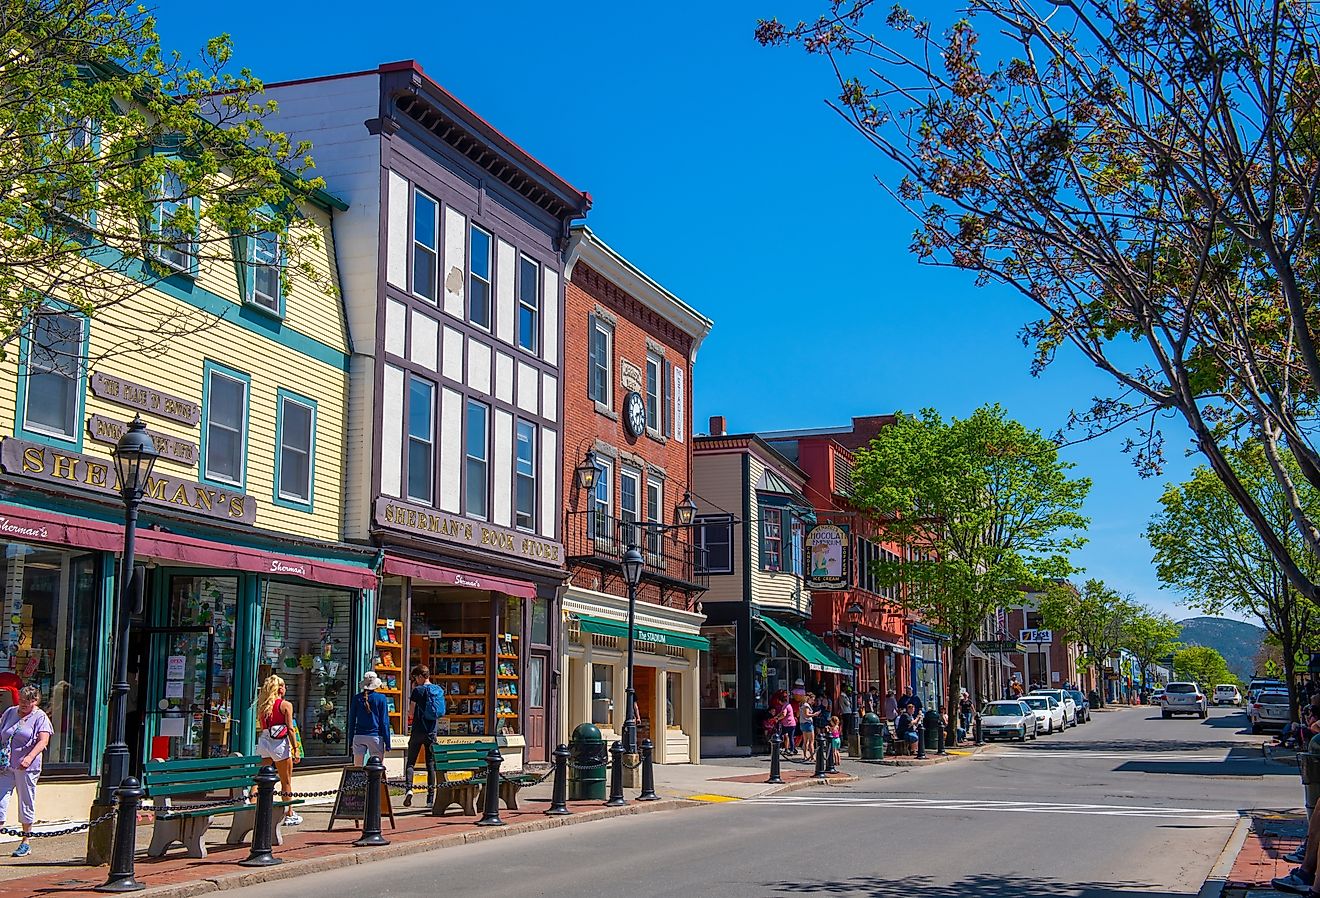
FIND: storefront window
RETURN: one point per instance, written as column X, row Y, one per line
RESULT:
column 673, row 699
column 719, row 668
column 307, row 638
column 540, row 622
column 49, row 629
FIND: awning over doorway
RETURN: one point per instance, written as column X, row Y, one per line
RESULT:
column 434, row 573
column 606, row 627
column 807, row 646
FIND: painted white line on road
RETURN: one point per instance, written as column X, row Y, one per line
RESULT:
column 1105, row 755
column 1021, row 807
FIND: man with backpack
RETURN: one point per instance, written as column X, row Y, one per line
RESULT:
column 428, row 704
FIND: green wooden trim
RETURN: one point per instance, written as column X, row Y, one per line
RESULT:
column 101, row 673
column 247, row 648
column 164, row 790
column 619, row 629
column 75, row 441
column 200, row 779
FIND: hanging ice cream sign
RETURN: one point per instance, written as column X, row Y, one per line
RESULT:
column 827, row 557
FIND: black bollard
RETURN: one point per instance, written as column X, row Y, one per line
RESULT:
column 490, row 812
column 371, row 834
column 921, row 745
column 559, row 796
column 821, row 742
column 648, row 772
column 121, row 878
column 776, row 742
column 976, row 723
column 263, row 827
column 616, row 799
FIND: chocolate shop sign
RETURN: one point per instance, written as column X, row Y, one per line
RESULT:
column 428, row 523
column 58, row 466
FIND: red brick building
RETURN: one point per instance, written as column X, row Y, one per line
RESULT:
column 629, row 346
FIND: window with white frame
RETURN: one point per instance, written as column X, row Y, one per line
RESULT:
column 426, row 236
column 630, row 490
column 226, row 427
column 525, row 474
column 53, row 380
column 714, row 541
column 174, row 241
column 600, row 360
column 602, row 501
column 797, row 534
column 479, row 247
column 529, row 304
column 772, row 538
column 655, row 494
column 477, row 449
column 264, row 261
column 76, row 137
column 297, row 420
column 421, row 440
column 654, row 366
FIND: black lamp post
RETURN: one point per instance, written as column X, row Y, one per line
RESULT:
column 135, row 455
column 632, row 564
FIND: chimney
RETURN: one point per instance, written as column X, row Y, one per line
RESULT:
column 717, row 425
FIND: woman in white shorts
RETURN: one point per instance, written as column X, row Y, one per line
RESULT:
column 276, row 743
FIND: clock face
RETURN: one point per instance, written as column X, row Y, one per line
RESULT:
column 634, row 412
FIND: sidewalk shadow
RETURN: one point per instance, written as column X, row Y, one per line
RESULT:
column 981, row 885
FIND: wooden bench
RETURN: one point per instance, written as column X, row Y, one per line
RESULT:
column 460, row 769
column 203, row 783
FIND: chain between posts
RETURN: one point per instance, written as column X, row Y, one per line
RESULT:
column 68, row 830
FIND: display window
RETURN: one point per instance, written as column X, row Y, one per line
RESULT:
column 48, row 631
column 307, row 638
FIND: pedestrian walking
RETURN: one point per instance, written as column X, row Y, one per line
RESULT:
column 276, row 743
column 965, row 711
column 788, row 722
column 25, row 730
column 369, row 721
column 835, row 733
column 807, row 726
column 428, row 706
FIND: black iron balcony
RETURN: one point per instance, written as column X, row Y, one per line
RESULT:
column 670, row 560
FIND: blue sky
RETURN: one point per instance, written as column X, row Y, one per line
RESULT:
column 717, row 168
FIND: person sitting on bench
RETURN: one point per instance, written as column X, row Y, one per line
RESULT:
column 905, row 727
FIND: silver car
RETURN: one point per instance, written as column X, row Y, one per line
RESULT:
column 1183, row 698
column 1270, row 709
column 1007, row 719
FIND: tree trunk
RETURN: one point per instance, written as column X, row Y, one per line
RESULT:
column 1289, row 674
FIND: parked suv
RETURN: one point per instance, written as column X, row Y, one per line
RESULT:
column 1065, row 701
column 1270, row 709
column 1227, row 695
column 1183, row 698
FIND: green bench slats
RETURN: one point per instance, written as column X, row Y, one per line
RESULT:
column 239, row 780
column 199, row 763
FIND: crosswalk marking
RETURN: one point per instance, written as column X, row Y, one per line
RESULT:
column 999, row 806
column 1104, row 755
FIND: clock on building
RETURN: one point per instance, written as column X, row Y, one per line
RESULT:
column 634, row 413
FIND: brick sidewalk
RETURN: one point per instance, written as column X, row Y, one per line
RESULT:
column 308, row 843
column 1261, row 858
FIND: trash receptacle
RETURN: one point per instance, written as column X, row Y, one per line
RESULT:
column 932, row 725
column 1309, row 763
column 587, row 763
column 873, row 737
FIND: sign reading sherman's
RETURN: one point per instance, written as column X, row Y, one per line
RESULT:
column 108, row 431
column 147, row 399
column 427, row 522
column 59, row 466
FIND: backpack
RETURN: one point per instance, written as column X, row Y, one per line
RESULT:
column 433, row 708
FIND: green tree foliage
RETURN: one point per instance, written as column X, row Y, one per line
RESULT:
column 1203, row 666
column 1150, row 635
column 1208, row 550
column 114, row 152
column 985, row 506
column 1095, row 616
column 1144, row 173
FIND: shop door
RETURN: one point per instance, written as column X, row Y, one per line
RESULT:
column 191, row 669
column 537, row 664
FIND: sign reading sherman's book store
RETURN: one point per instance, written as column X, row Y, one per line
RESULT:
column 59, row 466
column 416, row 521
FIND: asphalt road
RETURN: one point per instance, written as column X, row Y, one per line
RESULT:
column 1128, row 804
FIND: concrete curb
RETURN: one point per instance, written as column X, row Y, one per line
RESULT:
column 1214, row 884
column 290, row 869
column 930, row 760
column 796, row 785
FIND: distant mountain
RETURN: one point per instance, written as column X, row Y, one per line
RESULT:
column 1238, row 642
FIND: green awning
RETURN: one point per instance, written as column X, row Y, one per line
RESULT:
column 618, row 628
column 807, row 646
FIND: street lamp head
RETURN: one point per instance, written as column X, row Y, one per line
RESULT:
column 855, row 612
column 686, row 510
column 632, row 565
column 135, row 455
column 587, row 472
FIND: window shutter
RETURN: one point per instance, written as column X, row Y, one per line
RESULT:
column 666, row 397
column 591, row 356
